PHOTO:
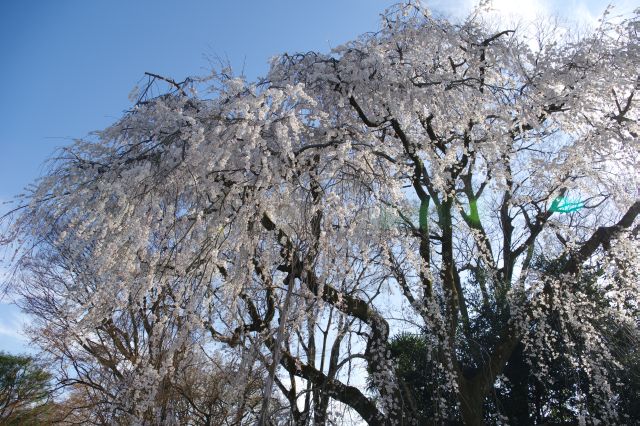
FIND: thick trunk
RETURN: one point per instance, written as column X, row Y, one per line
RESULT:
column 471, row 396
column 471, row 404
column 517, row 371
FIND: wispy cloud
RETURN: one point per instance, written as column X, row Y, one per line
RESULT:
column 520, row 10
column 10, row 330
column 12, row 322
column 580, row 12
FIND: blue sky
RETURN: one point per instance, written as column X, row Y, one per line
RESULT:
column 69, row 65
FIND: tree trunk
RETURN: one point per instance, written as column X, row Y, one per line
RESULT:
column 471, row 400
column 517, row 371
column 472, row 411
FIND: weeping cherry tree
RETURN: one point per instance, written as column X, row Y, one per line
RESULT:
column 453, row 198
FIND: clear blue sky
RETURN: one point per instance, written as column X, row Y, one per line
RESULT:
column 67, row 66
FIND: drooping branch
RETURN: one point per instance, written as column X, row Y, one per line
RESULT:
column 602, row 236
column 376, row 347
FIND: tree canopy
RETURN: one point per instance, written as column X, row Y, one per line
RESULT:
column 434, row 223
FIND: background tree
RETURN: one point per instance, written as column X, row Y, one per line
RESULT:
column 25, row 390
column 403, row 183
